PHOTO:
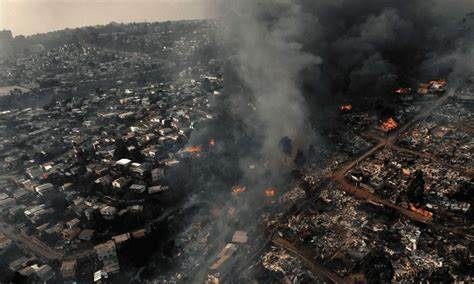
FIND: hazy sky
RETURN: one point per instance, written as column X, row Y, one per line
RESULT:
column 36, row 16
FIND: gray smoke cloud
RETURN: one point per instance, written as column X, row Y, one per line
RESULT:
column 268, row 60
column 262, row 102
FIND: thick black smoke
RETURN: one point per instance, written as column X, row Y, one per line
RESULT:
column 292, row 55
column 366, row 47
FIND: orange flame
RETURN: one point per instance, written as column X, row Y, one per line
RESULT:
column 270, row 192
column 345, row 107
column 212, row 142
column 421, row 212
column 194, row 149
column 390, row 124
column 239, row 189
column 440, row 82
column 403, row 91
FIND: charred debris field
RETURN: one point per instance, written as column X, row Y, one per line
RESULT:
column 240, row 150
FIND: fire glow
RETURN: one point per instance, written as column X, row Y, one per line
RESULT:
column 438, row 83
column 239, row 189
column 403, row 91
column 421, row 212
column 389, row 124
column 345, row 108
column 270, row 192
column 194, row 149
column 212, row 142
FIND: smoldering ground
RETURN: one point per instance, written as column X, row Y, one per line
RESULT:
column 289, row 59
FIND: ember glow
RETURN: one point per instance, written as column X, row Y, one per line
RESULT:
column 403, row 91
column 239, row 189
column 270, row 192
column 345, row 107
column 421, row 212
column 193, row 149
column 438, row 83
column 389, row 124
column 212, row 142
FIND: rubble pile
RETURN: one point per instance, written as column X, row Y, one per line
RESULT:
column 372, row 217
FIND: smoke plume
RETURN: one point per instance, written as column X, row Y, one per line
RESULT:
column 269, row 58
column 290, row 55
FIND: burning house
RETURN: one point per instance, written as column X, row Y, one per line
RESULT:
column 388, row 125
